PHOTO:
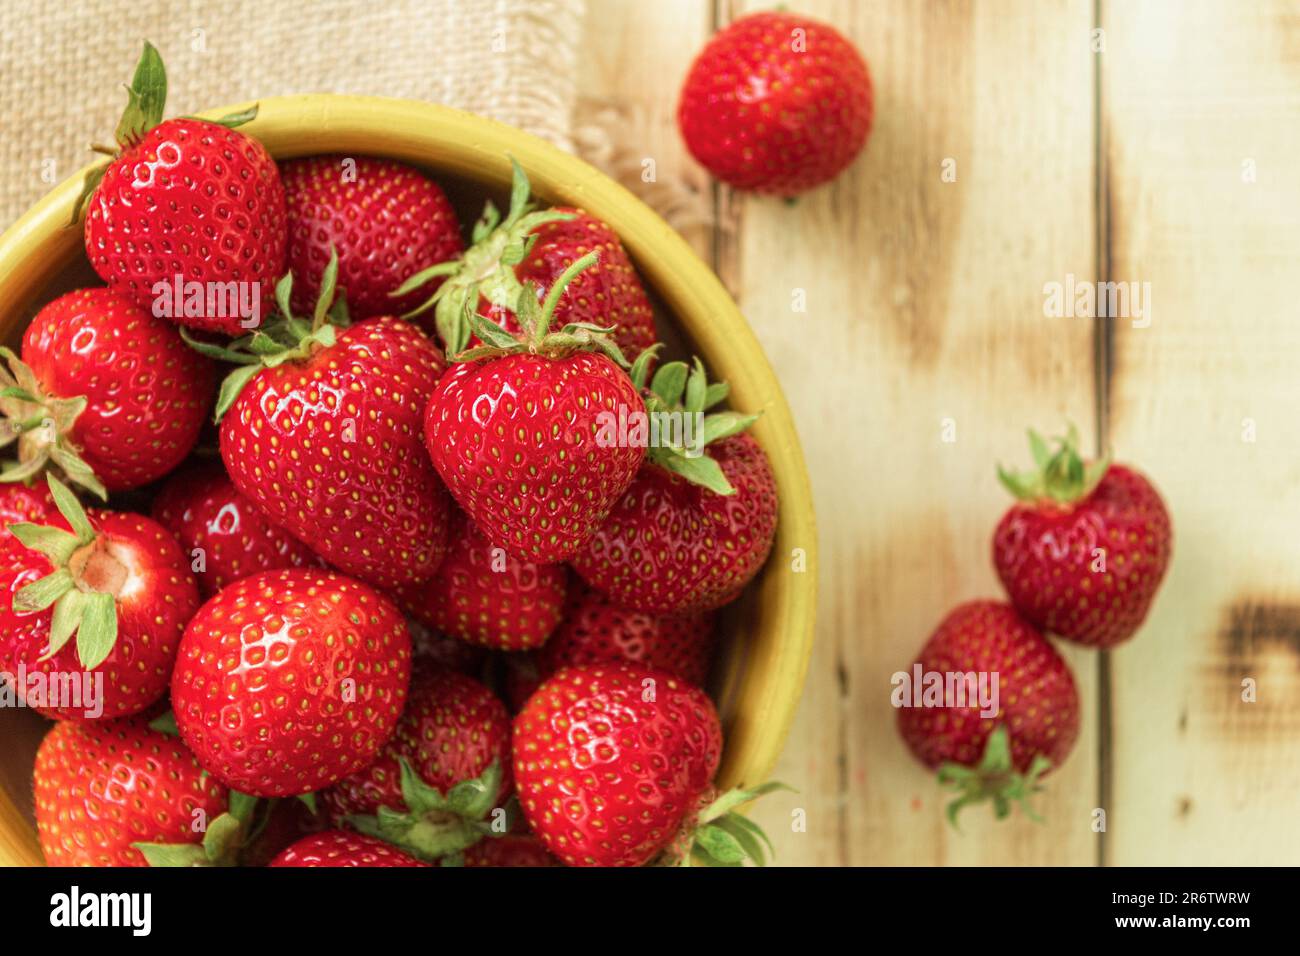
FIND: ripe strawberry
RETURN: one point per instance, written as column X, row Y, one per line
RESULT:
column 999, row 756
column 216, row 523
column 385, row 219
column 321, row 431
column 512, row 849
column 536, row 247
column 102, row 788
column 776, row 103
column 446, row 769
column 19, row 504
column 340, row 848
column 596, row 630
column 514, row 429
column 290, row 680
column 1085, row 550
column 119, row 582
column 105, row 391
column 614, row 763
column 183, row 202
column 483, row 596
column 699, row 520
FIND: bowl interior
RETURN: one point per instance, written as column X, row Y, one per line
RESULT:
column 767, row 634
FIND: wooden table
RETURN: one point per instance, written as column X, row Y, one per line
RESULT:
column 1148, row 142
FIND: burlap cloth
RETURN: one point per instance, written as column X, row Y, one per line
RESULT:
column 62, row 65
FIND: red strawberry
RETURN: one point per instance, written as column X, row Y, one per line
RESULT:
column 445, row 770
column 321, row 431
column 1085, row 550
column 512, row 849
column 19, row 503
column 481, row 595
column 286, row 822
column 105, row 391
column 515, row 432
column 103, row 787
column 536, row 247
column 340, row 848
column 386, row 220
column 614, row 763
column 213, row 520
column 1037, row 706
column 595, row 630
column 190, row 204
column 776, row 103
column 290, row 680
column 119, row 582
column 695, row 526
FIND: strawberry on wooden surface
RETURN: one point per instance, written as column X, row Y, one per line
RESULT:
column 104, row 392
column 1084, row 550
column 116, row 581
column 185, row 201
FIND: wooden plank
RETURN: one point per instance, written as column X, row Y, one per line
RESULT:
column 1196, row 96
column 924, row 304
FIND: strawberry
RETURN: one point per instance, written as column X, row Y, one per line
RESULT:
column 290, row 680
column 106, row 791
column 614, row 766
column 224, row 534
column 483, row 596
column 514, row 430
column 384, row 219
column 1001, row 755
column 776, row 103
column 119, row 582
column 596, row 630
column 699, row 520
column 1085, row 549
column 512, row 849
column 321, row 431
column 188, row 217
column 19, row 503
column 535, row 247
column 340, row 848
column 105, row 391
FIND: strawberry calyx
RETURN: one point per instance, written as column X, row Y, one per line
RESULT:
column 994, row 778
column 486, row 268
column 437, row 827
column 285, row 338
column 681, row 393
column 224, row 837
column 42, row 425
column 1060, row 474
column 719, row 835
column 146, row 100
column 535, row 321
column 84, row 586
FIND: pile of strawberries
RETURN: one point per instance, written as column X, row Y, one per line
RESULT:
column 1081, row 556
column 412, row 519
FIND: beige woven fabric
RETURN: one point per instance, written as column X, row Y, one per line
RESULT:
column 62, row 65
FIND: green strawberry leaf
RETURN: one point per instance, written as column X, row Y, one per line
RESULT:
column 173, row 854
column 98, row 631
column 146, row 98
column 165, row 724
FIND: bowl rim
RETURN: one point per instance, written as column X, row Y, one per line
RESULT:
column 40, row 244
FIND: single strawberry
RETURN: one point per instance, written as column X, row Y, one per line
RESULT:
column 614, row 766
column 24, row 504
column 108, row 791
column 776, row 103
column 1083, row 552
column 104, row 391
column 515, row 428
column 996, row 748
column 698, row 522
column 535, row 247
column 340, row 848
column 385, row 219
column 290, row 680
column 512, row 850
column 224, row 534
column 481, row 595
column 595, row 630
column 321, row 430
column 116, row 580
column 188, row 217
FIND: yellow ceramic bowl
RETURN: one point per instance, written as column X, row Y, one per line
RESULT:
column 769, row 632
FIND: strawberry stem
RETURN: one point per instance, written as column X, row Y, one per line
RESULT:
column 995, row 779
